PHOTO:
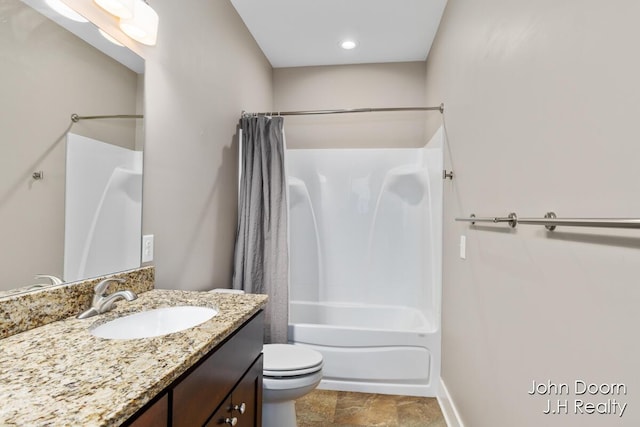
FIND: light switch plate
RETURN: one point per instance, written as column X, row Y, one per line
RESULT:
column 147, row 248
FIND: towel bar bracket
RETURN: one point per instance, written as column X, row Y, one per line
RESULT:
column 550, row 215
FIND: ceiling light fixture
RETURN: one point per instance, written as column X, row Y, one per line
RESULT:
column 143, row 25
column 119, row 8
column 65, row 11
column 108, row 37
column 348, row 44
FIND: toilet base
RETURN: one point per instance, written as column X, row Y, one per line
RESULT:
column 289, row 373
column 279, row 414
column 279, row 398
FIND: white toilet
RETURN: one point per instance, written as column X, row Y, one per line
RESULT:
column 289, row 373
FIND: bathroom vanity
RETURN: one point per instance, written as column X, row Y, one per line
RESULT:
column 211, row 374
column 228, row 379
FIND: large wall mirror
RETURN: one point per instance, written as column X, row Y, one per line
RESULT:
column 46, row 74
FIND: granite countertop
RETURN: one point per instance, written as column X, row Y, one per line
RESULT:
column 60, row 374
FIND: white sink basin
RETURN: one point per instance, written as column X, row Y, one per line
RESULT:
column 154, row 323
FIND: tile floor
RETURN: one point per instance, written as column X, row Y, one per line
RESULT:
column 324, row 408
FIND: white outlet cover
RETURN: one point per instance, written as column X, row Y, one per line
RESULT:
column 147, row 248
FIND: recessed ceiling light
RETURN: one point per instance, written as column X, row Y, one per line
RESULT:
column 348, row 44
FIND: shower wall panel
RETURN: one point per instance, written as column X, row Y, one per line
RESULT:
column 365, row 225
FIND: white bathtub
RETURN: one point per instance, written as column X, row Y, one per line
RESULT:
column 370, row 348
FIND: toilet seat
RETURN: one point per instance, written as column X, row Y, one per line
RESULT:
column 286, row 360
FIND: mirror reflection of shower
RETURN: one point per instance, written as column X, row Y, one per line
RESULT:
column 103, row 208
column 365, row 264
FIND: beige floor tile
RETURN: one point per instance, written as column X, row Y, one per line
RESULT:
column 324, row 408
column 366, row 409
column 316, row 407
column 418, row 411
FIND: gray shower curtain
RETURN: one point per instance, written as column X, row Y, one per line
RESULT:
column 261, row 263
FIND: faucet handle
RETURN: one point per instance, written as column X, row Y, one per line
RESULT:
column 101, row 288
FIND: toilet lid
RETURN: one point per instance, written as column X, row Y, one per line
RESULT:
column 286, row 360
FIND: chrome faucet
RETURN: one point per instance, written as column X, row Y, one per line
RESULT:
column 53, row 279
column 102, row 302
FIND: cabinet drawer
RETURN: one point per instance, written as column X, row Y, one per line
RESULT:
column 198, row 395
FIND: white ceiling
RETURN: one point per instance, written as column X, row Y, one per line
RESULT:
column 294, row 33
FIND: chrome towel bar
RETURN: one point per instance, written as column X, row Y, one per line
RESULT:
column 550, row 221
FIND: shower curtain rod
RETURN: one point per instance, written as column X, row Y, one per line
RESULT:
column 76, row 118
column 348, row 110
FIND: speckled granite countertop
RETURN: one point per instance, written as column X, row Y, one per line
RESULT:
column 60, row 374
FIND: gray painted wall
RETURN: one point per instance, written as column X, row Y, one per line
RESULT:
column 352, row 86
column 205, row 69
column 541, row 114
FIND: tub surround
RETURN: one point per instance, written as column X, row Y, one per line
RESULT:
column 24, row 311
column 59, row 374
column 366, row 250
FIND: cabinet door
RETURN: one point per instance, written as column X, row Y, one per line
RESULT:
column 223, row 416
column 249, row 393
column 198, row 395
column 157, row 415
column 243, row 408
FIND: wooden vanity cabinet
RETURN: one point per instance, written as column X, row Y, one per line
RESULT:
column 212, row 392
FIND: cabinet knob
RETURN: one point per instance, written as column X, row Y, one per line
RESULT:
column 240, row 408
column 231, row 421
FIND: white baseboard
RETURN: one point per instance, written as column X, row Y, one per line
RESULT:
column 451, row 415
